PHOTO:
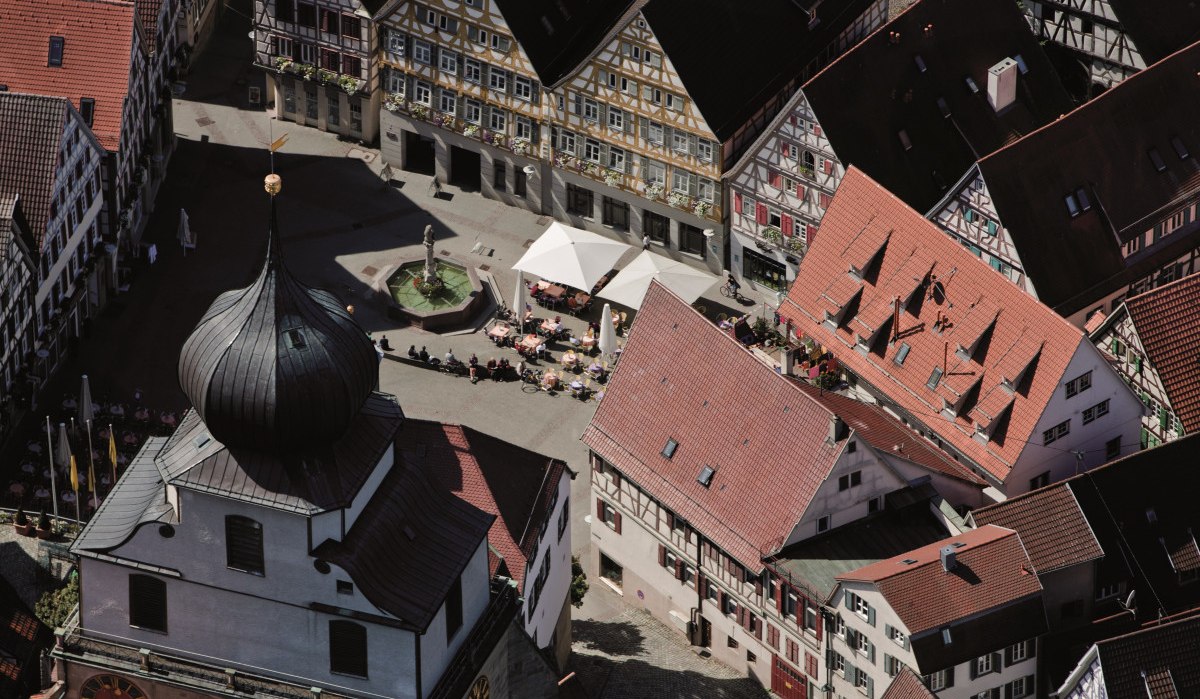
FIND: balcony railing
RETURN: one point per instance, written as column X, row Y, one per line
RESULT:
column 71, row 645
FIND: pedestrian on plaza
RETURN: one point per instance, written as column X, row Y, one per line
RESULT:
column 383, row 342
column 646, row 241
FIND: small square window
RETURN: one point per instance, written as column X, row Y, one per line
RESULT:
column 345, row 587
column 56, row 51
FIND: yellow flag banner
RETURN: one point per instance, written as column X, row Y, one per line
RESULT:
column 278, row 143
column 112, row 449
column 74, row 475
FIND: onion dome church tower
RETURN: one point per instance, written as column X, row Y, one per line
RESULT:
column 277, row 366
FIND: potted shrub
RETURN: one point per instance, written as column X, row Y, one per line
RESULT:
column 21, row 522
column 44, row 531
column 654, row 190
column 772, row 234
column 283, row 63
column 348, row 83
column 678, row 199
column 307, row 71
column 326, row 76
column 471, row 130
column 612, row 178
column 702, row 208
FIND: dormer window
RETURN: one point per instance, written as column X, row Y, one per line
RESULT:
column 56, row 51
column 1084, row 202
column 243, row 544
column 904, row 140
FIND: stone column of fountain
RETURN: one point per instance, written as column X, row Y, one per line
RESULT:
column 430, row 264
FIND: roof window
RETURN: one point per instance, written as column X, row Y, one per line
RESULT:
column 946, row 638
column 706, row 476
column 1084, row 202
column 902, row 354
column 669, row 450
column 56, row 51
column 904, row 140
column 1180, row 149
column 934, row 377
column 1072, row 205
column 1021, row 64
column 87, row 109
column 909, row 561
column 202, row 440
column 920, row 63
column 972, row 85
column 1155, row 158
column 295, row 338
column 943, row 107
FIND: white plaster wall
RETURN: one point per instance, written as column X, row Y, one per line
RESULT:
column 436, row 651
column 1123, row 420
column 364, row 494
column 847, row 505
column 541, row 625
column 230, row 629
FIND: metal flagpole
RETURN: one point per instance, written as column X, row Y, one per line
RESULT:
column 91, row 462
column 50, row 451
column 75, row 486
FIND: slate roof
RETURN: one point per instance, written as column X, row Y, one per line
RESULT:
column 1160, row 28
column 1053, row 528
column 22, row 639
column 892, row 93
column 900, row 253
column 331, row 478
column 1167, row 320
column 992, row 570
column 906, row 523
column 278, row 366
column 765, row 438
column 907, row 685
column 733, row 57
column 1102, row 148
column 31, row 131
column 892, row 437
column 578, row 27
column 138, row 497
column 515, row 485
column 98, row 45
column 1168, row 654
column 410, row 543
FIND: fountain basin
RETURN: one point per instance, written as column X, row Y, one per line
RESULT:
column 453, row 305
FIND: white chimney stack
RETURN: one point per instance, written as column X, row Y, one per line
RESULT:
column 1002, row 84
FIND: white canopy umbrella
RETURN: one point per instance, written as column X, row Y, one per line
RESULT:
column 518, row 304
column 629, row 287
column 571, row 256
column 608, row 334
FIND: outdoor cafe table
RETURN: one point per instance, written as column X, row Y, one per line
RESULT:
column 500, row 331
column 554, row 291
column 549, row 326
column 530, row 343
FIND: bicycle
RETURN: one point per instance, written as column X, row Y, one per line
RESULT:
column 731, row 291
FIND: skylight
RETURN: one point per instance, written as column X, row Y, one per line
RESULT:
column 945, row 108
column 920, row 63
column 1072, row 205
column 972, row 85
column 934, row 377
column 1021, row 65
column 1180, row 149
column 669, row 450
column 56, row 51
column 1084, row 202
column 295, row 338
column 706, row 476
column 946, row 639
column 902, row 354
column 904, row 140
column 1155, row 158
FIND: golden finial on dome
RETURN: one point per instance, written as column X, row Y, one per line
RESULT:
column 272, row 183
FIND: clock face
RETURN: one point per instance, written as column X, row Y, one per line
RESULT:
column 482, row 689
column 110, row 687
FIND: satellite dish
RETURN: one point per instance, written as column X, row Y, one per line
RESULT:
column 528, row 170
column 1128, row 603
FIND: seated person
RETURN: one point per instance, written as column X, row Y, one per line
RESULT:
column 595, row 368
column 541, row 349
column 473, row 360
column 491, row 364
column 412, row 351
column 504, row 363
column 450, row 358
column 549, row 379
column 570, row 359
column 423, row 355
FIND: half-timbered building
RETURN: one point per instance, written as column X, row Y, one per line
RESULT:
column 1098, row 205
column 17, row 310
column 1113, row 39
column 319, row 61
column 675, row 460
column 923, row 327
column 934, row 90
column 1151, row 341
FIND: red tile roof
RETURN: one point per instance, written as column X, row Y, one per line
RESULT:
column 148, row 11
column 98, row 44
column 907, row 685
column 875, row 425
column 935, row 278
column 1169, row 655
column 514, row 484
column 31, row 132
column 682, row 378
column 1167, row 320
column 1051, row 525
column 992, row 571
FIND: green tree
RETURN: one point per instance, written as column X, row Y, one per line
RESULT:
column 579, row 584
column 56, row 606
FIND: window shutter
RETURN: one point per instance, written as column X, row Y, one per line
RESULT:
column 485, row 114
column 811, row 233
column 810, row 664
column 950, row 676
column 737, row 202
column 617, row 521
column 801, row 192
column 600, row 509
column 870, row 687
column 721, row 599
column 871, row 652
column 577, row 104
column 579, row 145
column 783, row 146
column 871, row 616
column 827, row 166
column 760, row 213
column 662, row 555
column 692, row 144
column 820, row 624
column 756, row 625
column 775, row 179
column 604, row 153
column 823, row 199
column 679, row 569
column 888, row 629
column 816, row 129
column 670, row 520
column 644, row 128
column 779, row 596
column 693, row 184
column 647, row 92
column 758, row 585
column 786, row 225
column 701, row 582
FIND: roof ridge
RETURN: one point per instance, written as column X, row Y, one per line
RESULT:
column 1161, row 289
column 850, row 50
column 1190, row 615
column 919, row 565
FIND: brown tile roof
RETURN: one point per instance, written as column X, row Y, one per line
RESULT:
column 1103, row 148
column 148, row 11
column 514, row 484
column 31, row 131
column 22, row 639
column 1052, row 527
column 1169, row 655
column 682, row 378
column 875, row 425
column 907, row 685
column 959, row 288
column 1167, row 320
column 98, row 44
column 992, row 571
column 892, row 94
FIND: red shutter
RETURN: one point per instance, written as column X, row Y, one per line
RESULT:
column 786, row 225
column 701, row 581
column 757, row 624
column 801, row 191
column 772, row 637
column 617, row 522
column 600, row 509
column 678, row 569
column 817, row 129
column 775, row 178
column 828, row 167
column 792, row 119
column 810, row 664
column 671, row 520
column 662, row 555
column 801, row 605
column 758, row 586
column 811, row 233
column 793, row 652
column 721, row 600
column 760, row 212
column 820, row 625
column 824, row 200
column 737, row 202
column 779, row 597
column 783, row 147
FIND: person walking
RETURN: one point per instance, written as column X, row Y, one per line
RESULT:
column 646, row 241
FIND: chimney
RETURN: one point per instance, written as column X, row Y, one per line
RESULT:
column 837, row 429
column 1002, row 84
column 947, row 556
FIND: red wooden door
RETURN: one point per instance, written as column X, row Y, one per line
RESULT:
column 786, row 681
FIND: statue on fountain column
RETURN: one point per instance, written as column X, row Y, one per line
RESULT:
column 430, row 265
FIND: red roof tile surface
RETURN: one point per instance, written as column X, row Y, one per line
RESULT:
column 992, row 570
column 957, row 287
column 682, row 378
column 1167, row 320
column 31, row 132
column 98, row 44
column 887, row 434
column 907, row 685
column 516, row 485
column 1052, row 527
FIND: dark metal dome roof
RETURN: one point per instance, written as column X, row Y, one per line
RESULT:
column 277, row 366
